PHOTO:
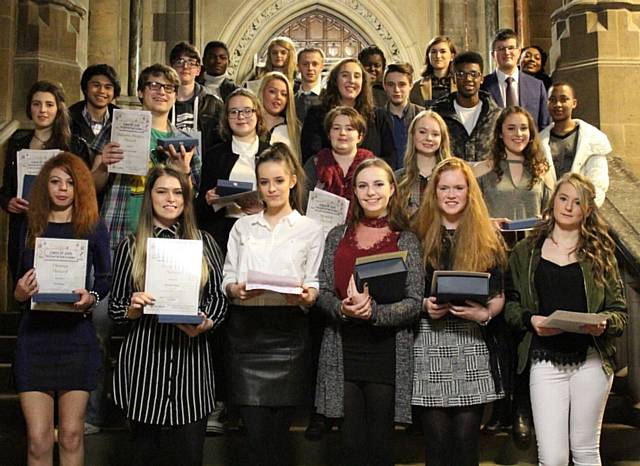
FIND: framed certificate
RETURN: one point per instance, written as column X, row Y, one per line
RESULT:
column 61, row 267
column 172, row 277
column 132, row 130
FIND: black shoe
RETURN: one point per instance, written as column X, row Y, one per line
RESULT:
column 318, row 426
column 493, row 426
column 522, row 431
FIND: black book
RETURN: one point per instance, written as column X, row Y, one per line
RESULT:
column 229, row 187
column 385, row 275
column 456, row 287
column 187, row 142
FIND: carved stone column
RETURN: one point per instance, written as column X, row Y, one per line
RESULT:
column 7, row 52
column 51, row 44
column 597, row 45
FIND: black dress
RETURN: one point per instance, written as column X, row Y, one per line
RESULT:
column 59, row 350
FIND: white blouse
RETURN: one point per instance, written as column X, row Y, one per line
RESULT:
column 293, row 248
column 244, row 169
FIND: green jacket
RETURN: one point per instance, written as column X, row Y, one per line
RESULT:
column 522, row 297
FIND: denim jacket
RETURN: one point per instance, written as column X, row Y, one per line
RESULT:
column 522, row 301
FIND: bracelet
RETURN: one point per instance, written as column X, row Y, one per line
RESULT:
column 96, row 296
column 486, row 322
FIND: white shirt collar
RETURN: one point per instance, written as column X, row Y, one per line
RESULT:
column 317, row 89
column 291, row 219
column 245, row 149
column 503, row 76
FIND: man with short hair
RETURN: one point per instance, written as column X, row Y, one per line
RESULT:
column 575, row 145
column 91, row 117
column 215, row 78
column 157, row 88
column 195, row 108
column 470, row 113
column 508, row 86
column 397, row 82
column 310, row 65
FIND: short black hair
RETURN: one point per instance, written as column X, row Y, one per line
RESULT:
column 101, row 69
column 184, row 48
column 503, row 34
column 215, row 44
column 371, row 50
column 468, row 57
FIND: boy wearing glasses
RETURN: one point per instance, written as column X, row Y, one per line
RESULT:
column 470, row 113
column 157, row 88
column 508, row 86
column 195, row 109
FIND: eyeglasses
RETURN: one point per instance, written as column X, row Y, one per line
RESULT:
column 508, row 48
column 472, row 74
column 156, row 86
column 234, row 113
column 186, row 63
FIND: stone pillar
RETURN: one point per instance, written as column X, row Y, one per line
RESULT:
column 51, row 44
column 8, row 16
column 135, row 43
column 597, row 44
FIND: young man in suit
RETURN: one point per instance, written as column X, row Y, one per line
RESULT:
column 508, row 86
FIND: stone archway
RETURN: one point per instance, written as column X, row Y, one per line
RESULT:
column 253, row 24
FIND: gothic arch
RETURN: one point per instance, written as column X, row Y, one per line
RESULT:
column 249, row 28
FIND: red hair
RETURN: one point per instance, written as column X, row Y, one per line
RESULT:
column 85, row 214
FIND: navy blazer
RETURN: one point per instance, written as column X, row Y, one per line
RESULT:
column 532, row 96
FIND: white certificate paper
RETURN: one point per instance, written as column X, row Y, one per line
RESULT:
column 328, row 209
column 29, row 164
column 571, row 321
column 61, row 267
column 172, row 277
column 132, row 130
column 268, row 281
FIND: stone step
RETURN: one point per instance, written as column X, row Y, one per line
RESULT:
column 7, row 348
column 6, row 378
column 9, row 322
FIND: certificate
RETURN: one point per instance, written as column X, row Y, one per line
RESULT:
column 172, row 276
column 61, row 267
column 268, row 281
column 328, row 209
column 132, row 130
column 571, row 321
column 29, row 164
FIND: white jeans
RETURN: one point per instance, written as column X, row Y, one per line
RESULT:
column 568, row 405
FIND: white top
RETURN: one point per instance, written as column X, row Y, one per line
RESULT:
column 502, row 81
column 244, row 168
column 316, row 89
column 212, row 83
column 280, row 133
column 468, row 116
column 293, row 248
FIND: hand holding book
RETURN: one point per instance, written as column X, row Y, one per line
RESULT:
column 356, row 304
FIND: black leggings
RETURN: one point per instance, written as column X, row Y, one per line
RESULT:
column 451, row 435
column 267, row 434
column 367, row 428
column 158, row 445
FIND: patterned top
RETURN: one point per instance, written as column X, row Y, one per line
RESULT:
column 163, row 376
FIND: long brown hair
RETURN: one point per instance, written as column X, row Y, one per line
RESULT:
column 398, row 220
column 595, row 245
column 281, row 152
column 188, row 226
column 428, row 68
column 84, row 216
column 331, row 97
column 290, row 115
column 411, row 170
column 477, row 245
column 535, row 161
column 61, row 132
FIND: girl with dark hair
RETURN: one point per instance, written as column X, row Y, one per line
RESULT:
column 532, row 61
column 268, row 333
column 164, row 380
column 568, row 263
column 437, row 79
column 456, row 369
column 365, row 366
column 348, row 85
column 518, row 175
column 57, row 359
column 46, row 107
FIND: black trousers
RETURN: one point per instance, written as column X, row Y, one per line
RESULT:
column 268, row 434
column 170, row 445
column 367, row 428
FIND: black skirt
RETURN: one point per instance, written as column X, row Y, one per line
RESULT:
column 269, row 356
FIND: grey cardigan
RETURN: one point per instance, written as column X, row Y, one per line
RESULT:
column 403, row 314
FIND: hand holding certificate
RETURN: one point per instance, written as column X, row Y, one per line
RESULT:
column 328, row 209
column 29, row 163
column 575, row 322
column 277, row 283
column 131, row 129
column 61, row 268
column 172, row 278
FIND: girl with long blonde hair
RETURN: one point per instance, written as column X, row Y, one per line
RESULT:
column 452, row 387
column 427, row 145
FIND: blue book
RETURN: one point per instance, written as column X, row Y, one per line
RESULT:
column 524, row 224
column 179, row 319
column 229, row 187
column 187, row 142
column 457, row 287
column 55, row 298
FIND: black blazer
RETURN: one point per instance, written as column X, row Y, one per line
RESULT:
column 217, row 164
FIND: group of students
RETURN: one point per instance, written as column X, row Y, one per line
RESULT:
column 414, row 360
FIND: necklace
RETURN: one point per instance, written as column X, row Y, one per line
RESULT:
column 380, row 222
column 571, row 247
column 43, row 142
